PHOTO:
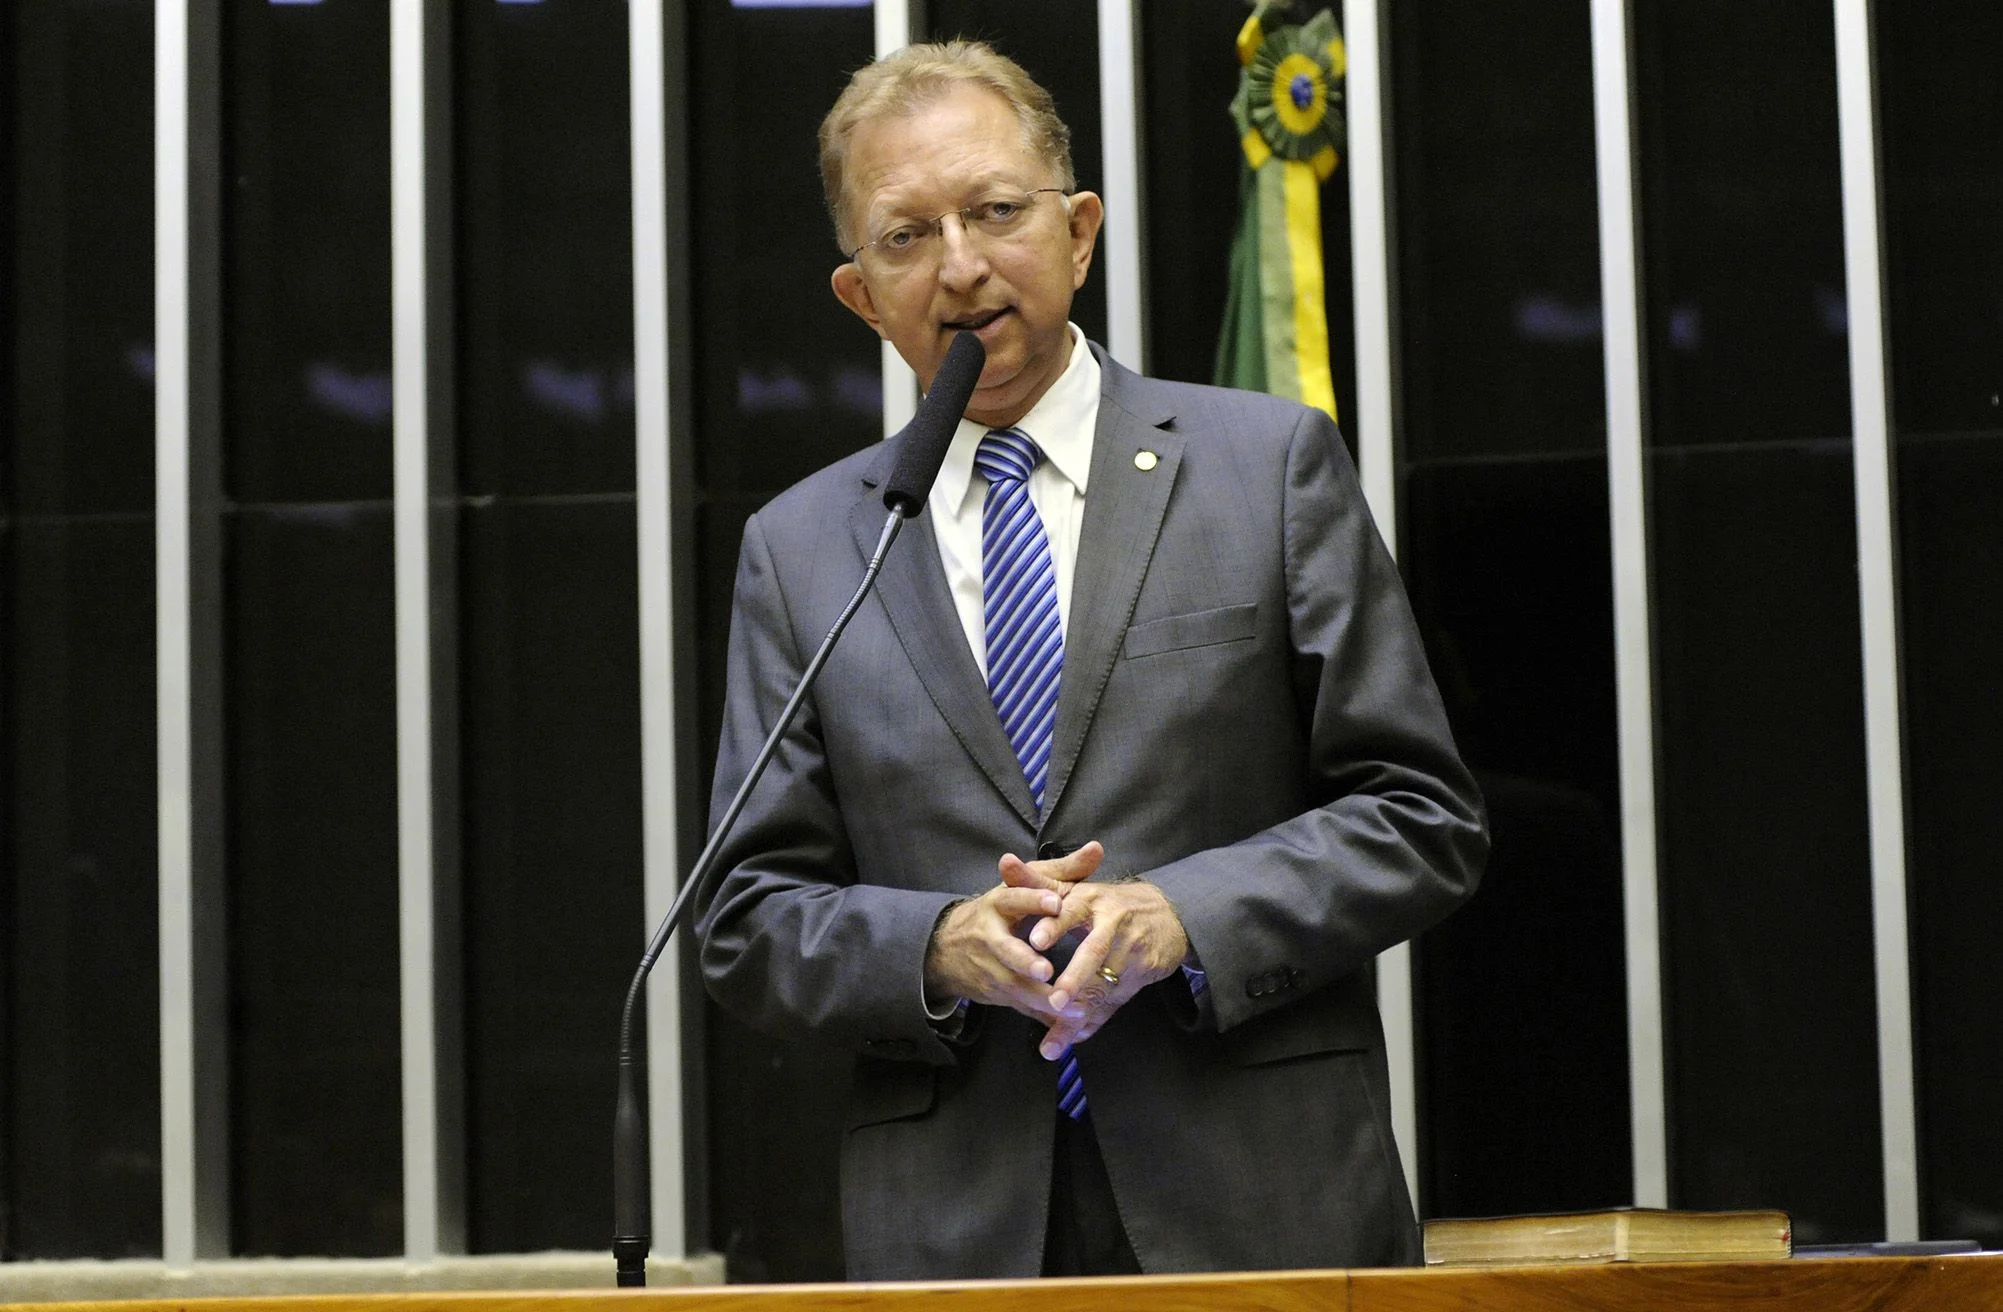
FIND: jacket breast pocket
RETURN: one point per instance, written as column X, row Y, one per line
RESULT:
column 1203, row 628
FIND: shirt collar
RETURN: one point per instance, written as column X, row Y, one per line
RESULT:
column 1060, row 423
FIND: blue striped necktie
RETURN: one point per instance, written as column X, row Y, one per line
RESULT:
column 1025, row 643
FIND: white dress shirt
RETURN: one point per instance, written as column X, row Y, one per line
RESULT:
column 1061, row 423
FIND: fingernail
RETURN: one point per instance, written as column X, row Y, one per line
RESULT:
column 1058, row 999
column 1051, row 1051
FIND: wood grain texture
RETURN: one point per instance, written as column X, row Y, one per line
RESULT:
column 1971, row 1283
column 1881, row 1284
column 1285, row 1291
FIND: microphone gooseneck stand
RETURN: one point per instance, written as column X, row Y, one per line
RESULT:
column 917, row 467
column 630, row 1236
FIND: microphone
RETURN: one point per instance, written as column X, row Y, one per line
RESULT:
column 931, row 432
column 904, row 494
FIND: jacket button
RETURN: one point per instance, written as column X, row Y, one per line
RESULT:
column 1053, row 851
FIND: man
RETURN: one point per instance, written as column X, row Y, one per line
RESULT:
column 1107, row 799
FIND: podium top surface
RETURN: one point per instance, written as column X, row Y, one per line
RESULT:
column 1885, row 1284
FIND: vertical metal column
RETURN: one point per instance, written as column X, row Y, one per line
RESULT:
column 194, row 1087
column 663, row 503
column 1620, row 292
column 1123, row 243
column 434, row 1220
column 900, row 391
column 661, row 857
column 1877, row 581
column 898, row 24
column 1374, row 419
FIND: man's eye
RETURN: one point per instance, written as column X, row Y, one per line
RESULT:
column 899, row 239
column 999, row 211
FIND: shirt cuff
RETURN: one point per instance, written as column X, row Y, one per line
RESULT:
column 952, row 1025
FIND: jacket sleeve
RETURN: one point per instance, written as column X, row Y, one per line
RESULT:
column 792, row 941
column 1397, row 835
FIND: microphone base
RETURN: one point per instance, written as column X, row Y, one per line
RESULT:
column 631, row 1255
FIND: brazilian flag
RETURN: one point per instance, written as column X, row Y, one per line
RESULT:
column 1275, row 336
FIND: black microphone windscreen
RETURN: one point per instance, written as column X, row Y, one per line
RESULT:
column 926, row 440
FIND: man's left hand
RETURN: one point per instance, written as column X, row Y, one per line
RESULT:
column 1132, row 933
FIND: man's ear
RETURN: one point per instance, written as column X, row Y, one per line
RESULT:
column 1087, row 212
column 852, row 291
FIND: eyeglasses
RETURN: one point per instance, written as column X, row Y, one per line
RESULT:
column 910, row 241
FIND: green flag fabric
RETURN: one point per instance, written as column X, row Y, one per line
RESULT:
column 1275, row 334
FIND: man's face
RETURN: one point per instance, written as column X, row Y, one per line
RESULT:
column 1013, row 290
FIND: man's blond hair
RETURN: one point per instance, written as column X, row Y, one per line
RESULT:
column 914, row 77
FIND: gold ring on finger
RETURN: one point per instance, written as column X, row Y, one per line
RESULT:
column 1110, row 975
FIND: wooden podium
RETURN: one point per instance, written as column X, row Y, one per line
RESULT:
column 1892, row 1284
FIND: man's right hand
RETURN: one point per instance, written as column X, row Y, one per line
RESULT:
column 1057, row 874
column 977, row 954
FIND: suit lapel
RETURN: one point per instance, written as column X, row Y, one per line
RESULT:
column 1124, row 507
column 912, row 590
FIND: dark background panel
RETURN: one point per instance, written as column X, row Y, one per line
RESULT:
column 1940, row 117
column 306, row 251
column 1742, row 221
column 76, row 138
column 79, row 1036
column 79, row 1013
column 1058, row 42
column 1505, row 546
column 1497, row 236
column 786, row 379
column 544, row 246
column 316, row 1108
column 551, row 777
column 1951, row 519
column 1764, row 850
column 1765, row 875
column 549, row 689
column 1521, row 994
column 1508, row 567
column 1190, row 164
column 309, row 651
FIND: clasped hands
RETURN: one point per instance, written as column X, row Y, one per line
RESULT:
column 991, row 948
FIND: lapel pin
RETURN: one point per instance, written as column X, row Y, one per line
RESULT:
column 1145, row 460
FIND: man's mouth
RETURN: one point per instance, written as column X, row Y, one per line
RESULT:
column 973, row 323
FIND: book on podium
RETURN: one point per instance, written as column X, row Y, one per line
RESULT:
column 1626, row 1234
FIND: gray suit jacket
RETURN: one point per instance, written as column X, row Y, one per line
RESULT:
column 1246, row 718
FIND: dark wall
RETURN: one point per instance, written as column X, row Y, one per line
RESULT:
column 79, row 994
column 1505, row 544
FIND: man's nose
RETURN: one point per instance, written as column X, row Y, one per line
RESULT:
column 963, row 259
